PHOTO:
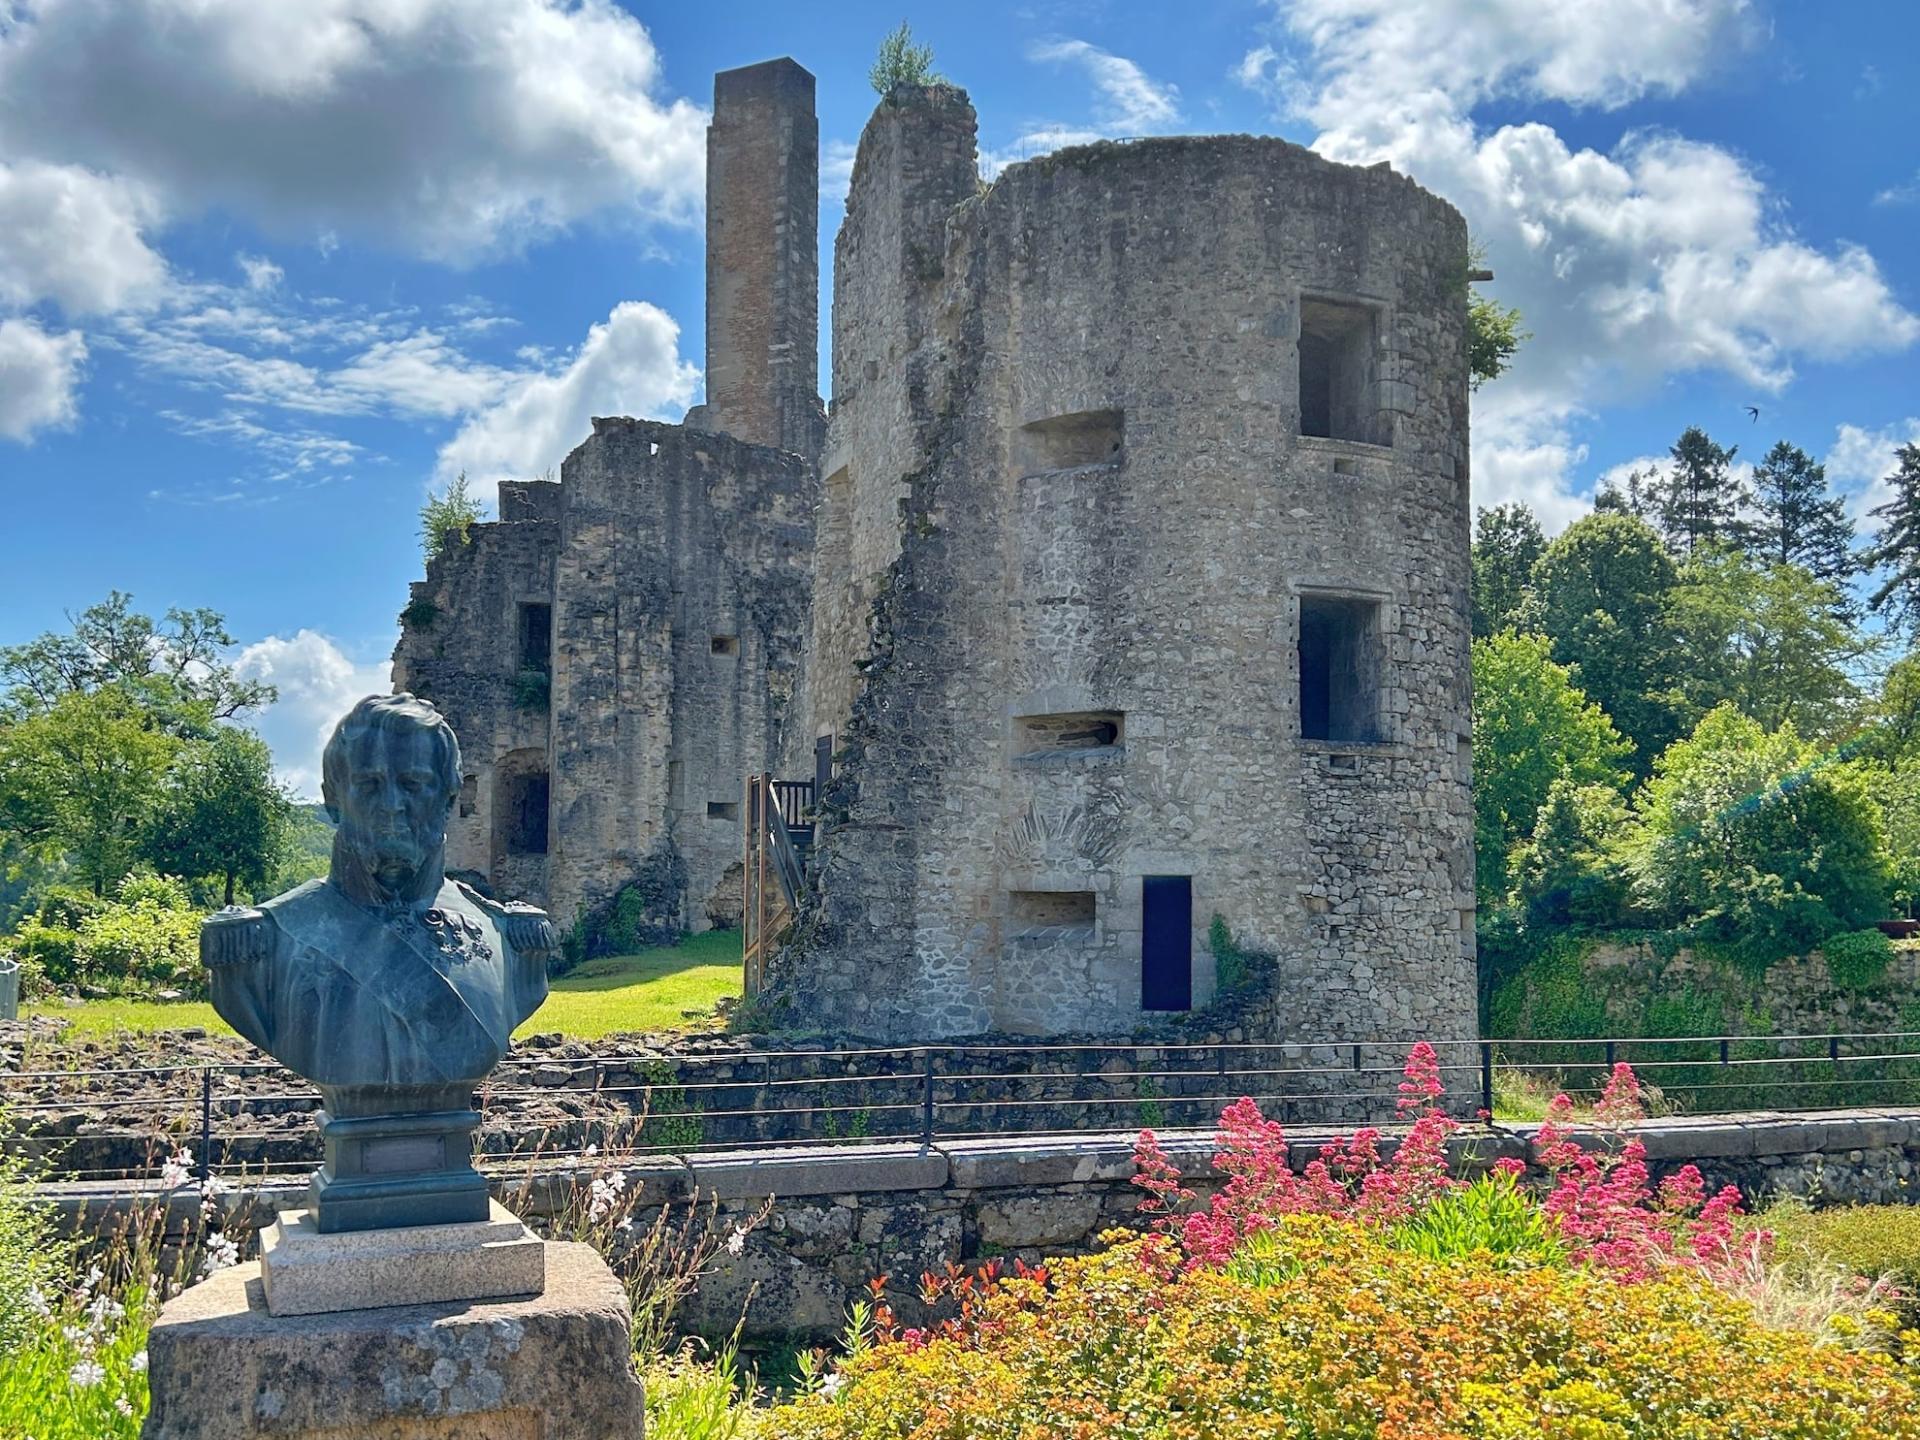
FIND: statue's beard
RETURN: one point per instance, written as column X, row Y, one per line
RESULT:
column 389, row 867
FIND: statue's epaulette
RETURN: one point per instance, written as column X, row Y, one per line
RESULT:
column 525, row 927
column 237, row 935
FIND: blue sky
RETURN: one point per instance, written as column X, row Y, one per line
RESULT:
column 269, row 272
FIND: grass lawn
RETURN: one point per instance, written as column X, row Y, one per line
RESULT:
column 649, row 991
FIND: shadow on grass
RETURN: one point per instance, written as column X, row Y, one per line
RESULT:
column 617, row 972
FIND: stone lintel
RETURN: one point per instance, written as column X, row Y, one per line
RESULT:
column 1001, row 1163
column 555, row 1367
column 305, row 1271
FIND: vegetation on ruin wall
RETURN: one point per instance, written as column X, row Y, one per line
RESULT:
column 1679, row 738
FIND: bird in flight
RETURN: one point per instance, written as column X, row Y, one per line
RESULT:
column 1753, row 413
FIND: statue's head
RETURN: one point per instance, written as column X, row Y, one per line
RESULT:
column 389, row 777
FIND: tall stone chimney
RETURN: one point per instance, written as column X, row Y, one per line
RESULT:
column 763, row 259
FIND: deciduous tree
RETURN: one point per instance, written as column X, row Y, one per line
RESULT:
column 1507, row 541
column 221, row 814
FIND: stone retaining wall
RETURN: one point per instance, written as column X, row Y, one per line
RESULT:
column 842, row 1215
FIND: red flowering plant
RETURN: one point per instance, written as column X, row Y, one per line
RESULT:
column 1601, row 1200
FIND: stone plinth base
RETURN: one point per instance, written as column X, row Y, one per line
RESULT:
column 556, row 1367
column 306, row 1272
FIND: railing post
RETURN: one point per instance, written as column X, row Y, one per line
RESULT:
column 1833, row 1049
column 1486, row 1079
column 1726, row 1051
column 1613, row 1055
column 926, row 1096
column 205, row 1167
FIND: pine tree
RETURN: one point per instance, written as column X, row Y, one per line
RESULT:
column 1507, row 540
column 1700, row 499
column 1637, row 495
column 1797, row 522
column 1896, row 544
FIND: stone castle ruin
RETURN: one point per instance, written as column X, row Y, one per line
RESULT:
column 1122, row 586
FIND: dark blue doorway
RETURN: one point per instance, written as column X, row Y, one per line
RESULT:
column 1166, row 942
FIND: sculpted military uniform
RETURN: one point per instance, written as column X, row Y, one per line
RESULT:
column 351, row 995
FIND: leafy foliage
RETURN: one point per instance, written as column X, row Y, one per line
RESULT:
column 1773, row 851
column 222, row 814
column 1570, row 871
column 1493, row 337
column 1507, row 540
column 1857, row 960
column 446, row 520
column 1534, row 728
column 1600, row 594
column 176, row 670
column 901, row 62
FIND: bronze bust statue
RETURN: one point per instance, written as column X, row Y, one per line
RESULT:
column 391, row 988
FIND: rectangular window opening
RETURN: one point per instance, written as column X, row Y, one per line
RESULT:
column 723, row 809
column 526, row 798
column 1339, row 372
column 536, row 637
column 726, row 644
column 1340, row 663
column 1066, row 442
column 469, row 795
column 1033, row 910
column 1071, row 731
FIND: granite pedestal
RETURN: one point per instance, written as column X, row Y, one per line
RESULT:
column 305, row 1271
column 555, row 1367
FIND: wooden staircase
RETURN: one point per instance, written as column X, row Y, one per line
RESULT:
column 779, row 835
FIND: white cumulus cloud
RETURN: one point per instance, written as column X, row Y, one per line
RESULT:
column 1656, row 256
column 1133, row 101
column 449, row 128
column 39, row 377
column 318, row 684
column 1861, row 459
column 628, row 365
column 73, row 237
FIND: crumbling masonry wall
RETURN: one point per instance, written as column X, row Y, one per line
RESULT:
column 1068, row 474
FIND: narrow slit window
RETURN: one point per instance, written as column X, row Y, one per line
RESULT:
column 536, row 637
column 1066, row 442
column 525, row 813
column 1068, row 732
column 1339, row 372
column 1340, row 661
column 725, row 644
column 1052, row 910
column 723, row 809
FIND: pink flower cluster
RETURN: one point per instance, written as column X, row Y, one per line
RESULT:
column 1347, row 1177
column 1603, row 1200
column 1612, row 1215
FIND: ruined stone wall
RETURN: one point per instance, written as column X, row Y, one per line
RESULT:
column 763, row 260
column 680, row 607
column 460, row 648
column 1111, row 516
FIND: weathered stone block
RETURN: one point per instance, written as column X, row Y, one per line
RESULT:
column 746, row 1174
column 552, row 1368
column 305, row 1272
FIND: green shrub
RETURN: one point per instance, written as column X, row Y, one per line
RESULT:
column 142, row 944
column 1551, row 998
column 31, row 1260
column 1870, row 1241
column 1858, row 960
column 420, row 614
column 63, row 908
column 48, row 950
column 167, row 891
column 1490, row 1220
column 1229, row 961
column 532, row 689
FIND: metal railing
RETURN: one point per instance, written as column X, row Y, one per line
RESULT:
column 252, row 1118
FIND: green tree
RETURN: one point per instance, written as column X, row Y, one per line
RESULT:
column 1772, row 638
column 177, row 669
column 222, row 814
column 1531, row 727
column 1570, row 872
column 1896, row 545
column 1638, row 495
column 1507, row 540
column 901, row 62
column 1600, row 596
column 446, row 521
column 1898, row 790
column 1699, row 497
column 1493, row 336
column 81, row 778
column 1796, row 521
column 1746, row 832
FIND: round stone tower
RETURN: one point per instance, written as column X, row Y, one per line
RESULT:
column 1141, row 593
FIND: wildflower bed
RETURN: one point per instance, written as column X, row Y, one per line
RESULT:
column 1373, row 1297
